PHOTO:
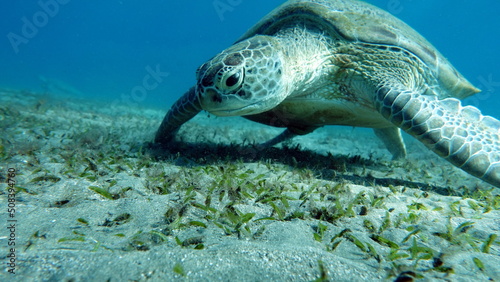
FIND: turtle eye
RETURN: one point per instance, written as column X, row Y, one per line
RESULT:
column 231, row 80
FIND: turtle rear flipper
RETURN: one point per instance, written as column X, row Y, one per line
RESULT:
column 289, row 133
column 461, row 135
column 283, row 136
column 183, row 110
column 391, row 137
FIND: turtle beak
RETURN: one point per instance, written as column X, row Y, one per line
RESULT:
column 210, row 95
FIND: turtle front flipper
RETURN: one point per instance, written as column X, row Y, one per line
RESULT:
column 461, row 135
column 183, row 110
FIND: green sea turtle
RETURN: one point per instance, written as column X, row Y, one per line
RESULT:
column 311, row 63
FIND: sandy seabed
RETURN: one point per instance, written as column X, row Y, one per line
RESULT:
column 95, row 200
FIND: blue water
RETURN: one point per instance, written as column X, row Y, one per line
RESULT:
column 105, row 49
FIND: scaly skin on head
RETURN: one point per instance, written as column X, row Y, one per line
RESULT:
column 244, row 79
column 257, row 74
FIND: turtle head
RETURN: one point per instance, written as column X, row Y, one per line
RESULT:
column 245, row 79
